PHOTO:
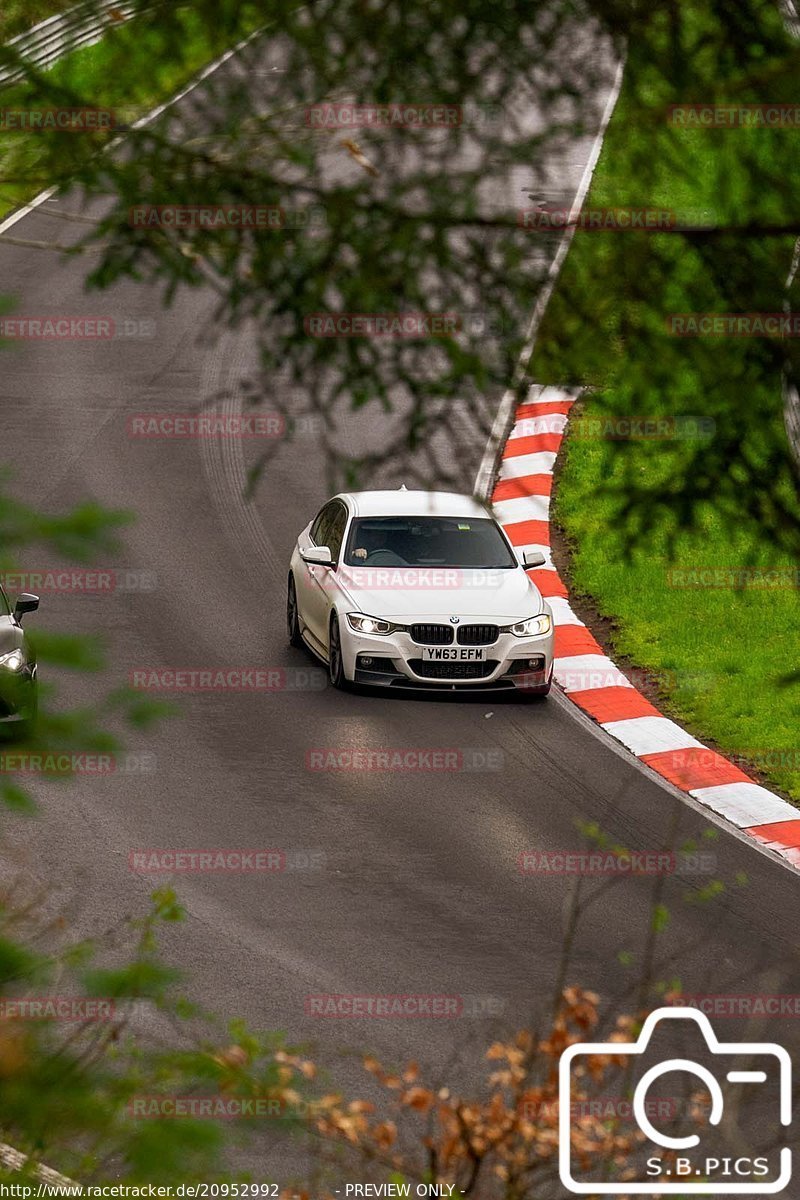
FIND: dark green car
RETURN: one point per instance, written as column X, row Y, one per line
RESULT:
column 19, row 689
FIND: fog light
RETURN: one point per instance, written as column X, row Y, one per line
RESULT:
column 374, row 664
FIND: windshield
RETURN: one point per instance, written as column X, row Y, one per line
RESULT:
column 427, row 542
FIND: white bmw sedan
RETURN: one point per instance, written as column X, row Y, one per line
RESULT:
column 422, row 590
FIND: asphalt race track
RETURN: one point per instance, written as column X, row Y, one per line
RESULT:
column 408, row 880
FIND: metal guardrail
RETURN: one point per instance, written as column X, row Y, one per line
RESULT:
column 13, row 1160
column 56, row 36
column 789, row 390
column 791, row 416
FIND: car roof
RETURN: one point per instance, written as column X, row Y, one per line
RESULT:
column 401, row 503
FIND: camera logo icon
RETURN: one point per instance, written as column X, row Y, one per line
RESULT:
column 686, row 1168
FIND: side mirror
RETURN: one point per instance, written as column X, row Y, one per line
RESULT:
column 26, row 602
column 533, row 558
column 320, row 556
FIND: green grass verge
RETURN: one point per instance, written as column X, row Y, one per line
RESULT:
column 137, row 65
column 16, row 16
column 731, row 651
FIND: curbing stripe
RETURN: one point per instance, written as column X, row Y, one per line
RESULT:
column 612, row 704
column 651, row 737
column 552, row 395
column 538, row 423
column 575, row 639
column 527, row 485
column 541, row 408
column 695, row 769
column 548, row 583
column 527, row 533
column 527, row 464
column 586, row 675
column 533, row 444
column 509, row 511
column 747, row 805
column 783, row 836
column 584, row 671
column 563, row 613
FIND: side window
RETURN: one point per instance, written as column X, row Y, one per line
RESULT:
column 5, row 607
column 319, row 530
column 336, row 530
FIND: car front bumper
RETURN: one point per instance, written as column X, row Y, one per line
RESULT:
column 511, row 663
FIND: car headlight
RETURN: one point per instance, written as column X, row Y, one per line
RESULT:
column 364, row 624
column 13, row 661
column 533, row 627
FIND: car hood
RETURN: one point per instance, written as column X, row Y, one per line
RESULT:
column 419, row 594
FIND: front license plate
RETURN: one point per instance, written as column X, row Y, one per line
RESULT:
column 454, row 654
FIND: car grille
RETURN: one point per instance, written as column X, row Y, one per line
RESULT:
column 451, row 670
column 432, row 635
column 477, row 635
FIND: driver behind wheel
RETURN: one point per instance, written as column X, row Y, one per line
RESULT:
column 378, row 549
column 371, row 541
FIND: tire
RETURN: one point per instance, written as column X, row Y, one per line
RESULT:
column 292, row 619
column 335, row 662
